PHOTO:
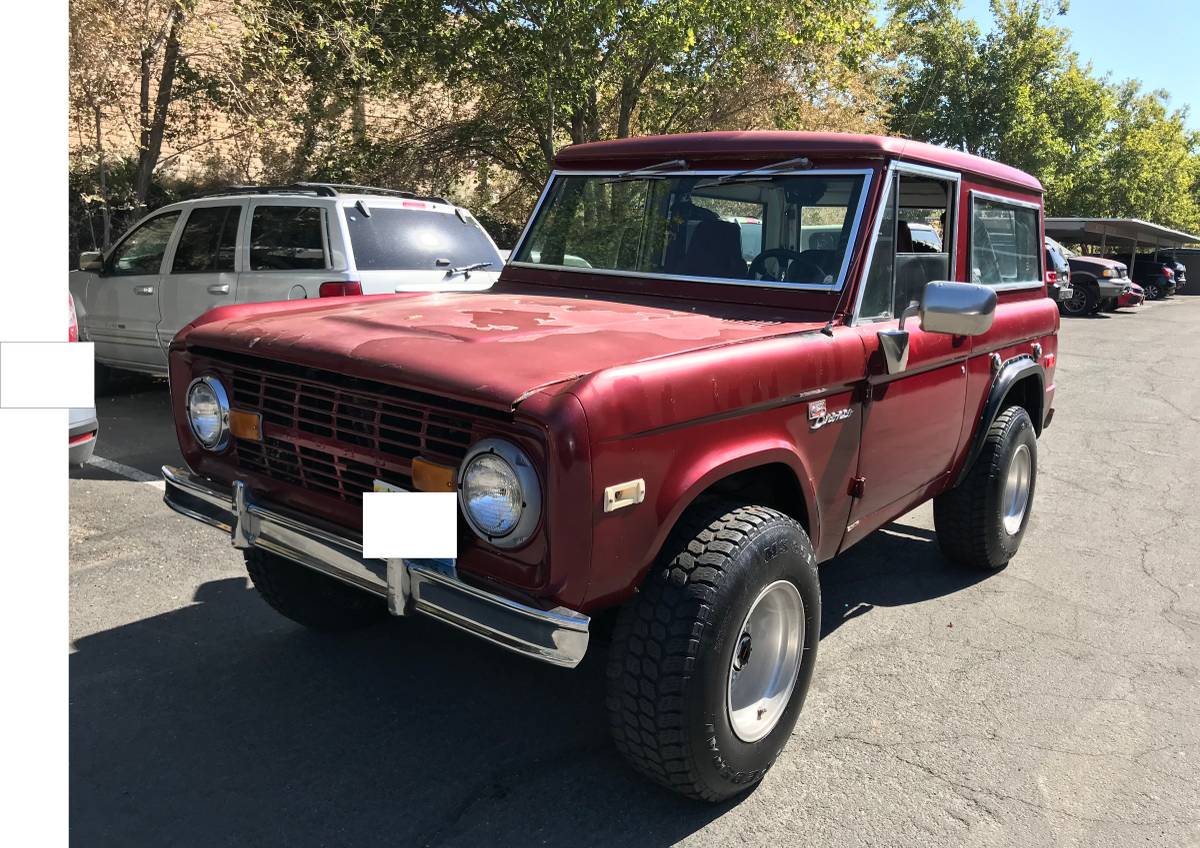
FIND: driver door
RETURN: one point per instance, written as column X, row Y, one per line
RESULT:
column 912, row 415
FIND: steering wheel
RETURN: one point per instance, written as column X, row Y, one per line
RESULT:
column 758, row 267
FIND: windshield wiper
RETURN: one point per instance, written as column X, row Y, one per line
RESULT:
column 766, row 172
column 466, row 270
column 648, row 172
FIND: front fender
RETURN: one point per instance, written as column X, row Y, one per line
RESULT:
column 681, row 491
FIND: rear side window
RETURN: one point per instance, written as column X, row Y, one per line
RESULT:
column 208, row 241
column 141, row 252
column 1005, row 243
column 287, row 238
column 397, row 239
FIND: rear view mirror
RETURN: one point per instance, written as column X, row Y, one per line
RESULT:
column 957, row 309
column 91, row 260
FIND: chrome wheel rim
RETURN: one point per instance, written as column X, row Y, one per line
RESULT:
column 1016, row 489
column 765, row 661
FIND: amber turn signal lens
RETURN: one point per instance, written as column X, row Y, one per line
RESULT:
column 431, row 477
column 245, row 425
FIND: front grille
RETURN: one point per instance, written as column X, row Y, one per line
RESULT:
column 336, row 434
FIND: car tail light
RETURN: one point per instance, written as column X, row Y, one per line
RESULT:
column 340, row 289
column 1168, row 273
column 1051, row 277
column 72, row 320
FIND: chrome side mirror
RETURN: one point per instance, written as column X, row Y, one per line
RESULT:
column 91, row 260
column 957, row 309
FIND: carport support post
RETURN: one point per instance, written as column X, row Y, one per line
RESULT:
column 1103, row 239
column 1132, row 257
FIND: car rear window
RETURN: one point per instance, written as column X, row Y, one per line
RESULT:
column 396, row 239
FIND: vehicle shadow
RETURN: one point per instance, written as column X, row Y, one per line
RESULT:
column 221, row 723
column 896, row 565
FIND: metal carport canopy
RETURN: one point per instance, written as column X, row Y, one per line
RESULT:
column 1123, row 231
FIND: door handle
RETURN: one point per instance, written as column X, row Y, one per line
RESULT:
column 221, row 289
column 143, row 290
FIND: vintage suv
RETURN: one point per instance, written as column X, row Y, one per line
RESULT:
column 669, row 431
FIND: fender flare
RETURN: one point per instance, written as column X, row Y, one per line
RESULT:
column 766, row 453
column 1011, row 372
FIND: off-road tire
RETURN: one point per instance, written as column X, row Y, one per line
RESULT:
column 310, row 598
column 672, row 647
column 1083, row 302
column 969, row 517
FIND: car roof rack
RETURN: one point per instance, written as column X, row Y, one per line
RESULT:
column 322, row 190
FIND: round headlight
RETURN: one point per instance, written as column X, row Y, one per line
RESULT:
column 208, row 412
column 499, row 493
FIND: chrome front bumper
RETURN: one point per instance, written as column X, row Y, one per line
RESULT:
column 432, row 587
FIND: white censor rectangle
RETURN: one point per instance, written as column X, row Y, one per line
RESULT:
column 46, row 375
column 410, row 525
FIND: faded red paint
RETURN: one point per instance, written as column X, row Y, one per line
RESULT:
column 607, row 378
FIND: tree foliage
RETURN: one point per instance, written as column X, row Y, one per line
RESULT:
column 472, row 98
column 1018, row 93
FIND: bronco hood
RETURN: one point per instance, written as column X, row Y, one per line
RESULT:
column 487, row 346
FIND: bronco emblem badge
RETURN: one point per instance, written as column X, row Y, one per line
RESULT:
column 818, row 417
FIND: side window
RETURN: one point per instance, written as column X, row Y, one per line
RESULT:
column 1004, row 243
column 924, row 234
column 288, row 238
column 913, row 245
column 208, row 241
column 141, row 252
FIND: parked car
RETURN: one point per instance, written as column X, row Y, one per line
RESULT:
column 1096, row 282
column 674, row 433
column 1176, row 267
column 82, row 424
column 1157, row 278
column 269, row 243
column 1134, row 297
column 1058, row 273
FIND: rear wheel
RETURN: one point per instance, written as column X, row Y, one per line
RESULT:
column 1153, row 291
column 310, row 598
column 981, row 521
column 711, row 661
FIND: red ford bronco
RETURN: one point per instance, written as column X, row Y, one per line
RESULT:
column 713, row 362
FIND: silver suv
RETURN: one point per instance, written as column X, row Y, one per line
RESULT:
column 249, row 244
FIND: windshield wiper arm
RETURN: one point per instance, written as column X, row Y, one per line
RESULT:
column 766, row 172
column 467, row 269
column 648, row 172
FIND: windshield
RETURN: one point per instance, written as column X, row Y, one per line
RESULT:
column 790, row 229
column 398, row 239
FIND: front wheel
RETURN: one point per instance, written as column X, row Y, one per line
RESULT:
column 1082, row 301
column 981, row 521
column 1153, row 291
column 310, row 598
column 711, row 661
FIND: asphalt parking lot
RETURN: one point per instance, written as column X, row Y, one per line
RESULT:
column 1054, row 703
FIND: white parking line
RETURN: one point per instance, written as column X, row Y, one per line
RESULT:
column 127, row 471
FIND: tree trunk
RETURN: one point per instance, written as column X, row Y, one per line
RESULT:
column 153, row 126
column 102, row 180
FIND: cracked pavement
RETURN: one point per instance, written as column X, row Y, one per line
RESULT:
column 1054, row 703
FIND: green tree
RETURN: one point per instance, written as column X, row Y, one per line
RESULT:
column 1018, row 94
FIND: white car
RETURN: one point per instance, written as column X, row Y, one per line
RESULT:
column 250, row 244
